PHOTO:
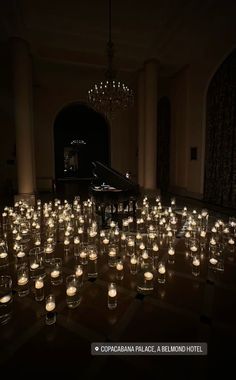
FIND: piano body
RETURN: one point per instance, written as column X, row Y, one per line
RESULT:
column 111, row 188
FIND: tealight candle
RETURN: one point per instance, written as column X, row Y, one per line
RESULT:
column 20, row 254
column 162, row 269
column 55, row 273
column 119, row 266
column 3, row 255
column 193, row 248
column 34, row 266
column 71, row 291
column 148, row 276
column 50, row 306
column 112, row 293
column 105, row 241
column 22, row 280
column 79, row 272
column 5, row 298
column 39, row 284
column 171, row 251
column 203, row 234
column 213, row 261
column 231, row 241
column 196, row 262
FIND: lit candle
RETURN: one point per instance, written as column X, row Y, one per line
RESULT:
column 213, row 261
column 50, row 306
column 193, row 248
column 66, row 241
column 34, row 266
column 162, row 269
column 203, row 234
column 48, row 249
column 92, row 256
column 3, row 255
column 196, row 262
column 71, row 291
column 20, row 254
column 148, row 276
column 22, row 280
column 133, row 260
column 55, row 273
column 112, row 253
column 105, row 241
column 119, row 266
column 231, row 241
column 112, row 293
column 155, row 248
column 39, row 284
column 83, row 254
column 79, row 272
column 171, row 251
column 5, row 299
column 145, row 255
column 212, row 241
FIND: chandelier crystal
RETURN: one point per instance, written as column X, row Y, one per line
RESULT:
column 110, row 95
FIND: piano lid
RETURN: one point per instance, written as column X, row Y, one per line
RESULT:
column 111, row 177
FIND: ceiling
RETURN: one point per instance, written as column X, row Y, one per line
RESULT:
column 175, row 32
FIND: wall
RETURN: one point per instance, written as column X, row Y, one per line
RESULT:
column 187, row 91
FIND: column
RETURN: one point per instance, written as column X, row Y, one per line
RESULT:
column 141, row 134
column 22, row 86
column 150, row 117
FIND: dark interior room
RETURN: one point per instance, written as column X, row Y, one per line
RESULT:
column 118, row 188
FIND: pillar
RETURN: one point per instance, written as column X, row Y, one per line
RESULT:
column 22, row 86
column 150, row 121
column 141, row 134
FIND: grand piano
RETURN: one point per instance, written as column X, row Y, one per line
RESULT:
column 111, row 189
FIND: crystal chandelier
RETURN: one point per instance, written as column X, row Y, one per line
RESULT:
column 110, row 95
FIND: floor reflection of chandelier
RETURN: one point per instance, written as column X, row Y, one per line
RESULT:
column 110, row 95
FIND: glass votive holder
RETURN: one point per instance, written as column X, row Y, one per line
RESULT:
column 39, row 288
column 196, row 265
column 125, row 225
column 133, row 264
column 48, row 252
column 79, row 273
column 105, row 243
column 112, row 296
column 144, row 258
column 23, row 280
column 76, row 246
column 83, row 253
column 112, row 256
column 73, row 296
column 92, row 262
column 193, row 246
column 187, row 237
column 203, row 239
column 56, row 271
column 120, row 270
column 145, row 282
column 50, row 307
column 231, row 245
column 213, row 261
column 213, row 244
column 36, row 262
column 123, row 240
column 161, row 273
column 4, row 259
column 5, row 299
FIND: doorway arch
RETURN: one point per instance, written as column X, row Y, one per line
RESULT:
column 81, row 135
column 220, row 152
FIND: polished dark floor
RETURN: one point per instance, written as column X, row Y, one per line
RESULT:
column 184, row 309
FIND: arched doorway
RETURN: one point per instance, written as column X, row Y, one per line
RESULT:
column 163, row 143
column 220, row 154
column 81, row 135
